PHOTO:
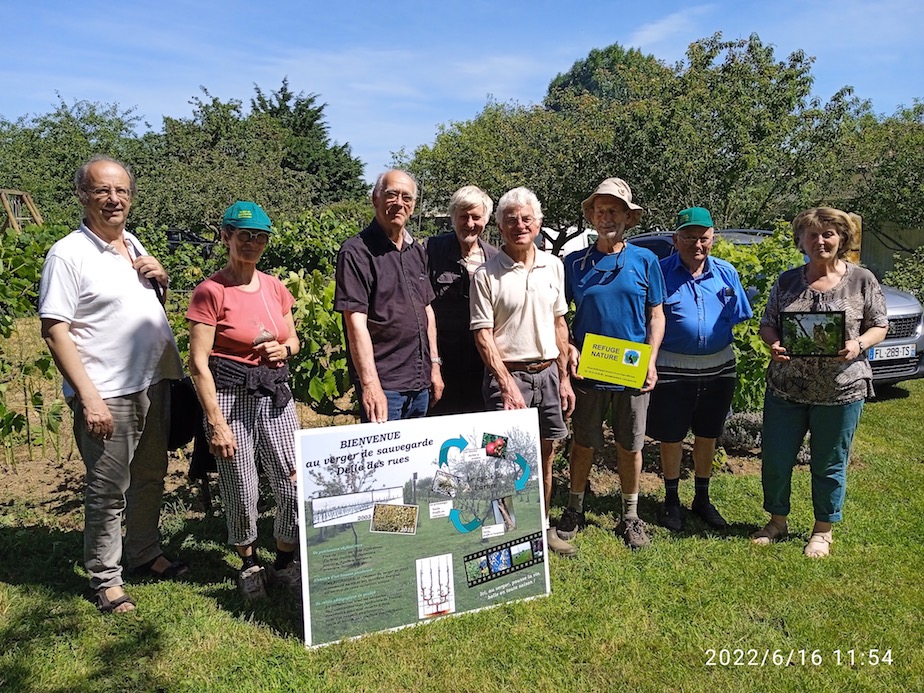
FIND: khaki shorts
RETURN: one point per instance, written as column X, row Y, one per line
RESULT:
column 539, row 390
column 628, row 412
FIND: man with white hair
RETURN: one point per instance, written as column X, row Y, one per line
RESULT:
column 618, row 291
column 518, row 315
column 452, row 260
column 384, row 294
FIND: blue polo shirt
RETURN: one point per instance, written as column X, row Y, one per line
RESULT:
column 701, row 311
column 612, row 293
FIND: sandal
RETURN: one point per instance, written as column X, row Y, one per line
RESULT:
column 770, row 533
column 171, row 572
column 105, row 606
column 819, row 545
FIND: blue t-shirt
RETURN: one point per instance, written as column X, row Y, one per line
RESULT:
column 701, row 311
column 612, row 293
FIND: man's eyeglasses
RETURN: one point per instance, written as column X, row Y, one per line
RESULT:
column 106, row 193
column 513, row 221
column 258, row 237
column 693, row 240
column 394, row 195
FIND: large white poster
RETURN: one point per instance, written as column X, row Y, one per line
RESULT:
column 406, row 521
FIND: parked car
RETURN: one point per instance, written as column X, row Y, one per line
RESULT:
column 900, row 356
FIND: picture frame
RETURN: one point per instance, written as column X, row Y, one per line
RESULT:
column 808, row 333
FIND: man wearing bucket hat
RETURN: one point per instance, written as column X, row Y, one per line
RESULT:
column 617, row 291
column 696, row 362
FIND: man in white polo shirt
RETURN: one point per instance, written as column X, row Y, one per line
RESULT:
column 109, row 336
column 518, row 315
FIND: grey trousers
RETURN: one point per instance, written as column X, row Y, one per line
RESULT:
column 125, row 479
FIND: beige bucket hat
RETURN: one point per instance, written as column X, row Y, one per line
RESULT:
column 616, row 187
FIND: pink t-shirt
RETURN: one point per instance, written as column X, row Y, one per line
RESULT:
column 242, row 318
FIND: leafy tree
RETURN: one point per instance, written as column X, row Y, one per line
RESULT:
column 509, row 145
column 886, row 166
column 730, row 128
column 338, row 175
column 40, row 154
column 613, row 74
column 192, row 171
column 279, row 154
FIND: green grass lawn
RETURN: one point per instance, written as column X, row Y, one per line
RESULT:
column 614, row 621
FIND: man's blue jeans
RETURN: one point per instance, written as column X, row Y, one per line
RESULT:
column 401, row 405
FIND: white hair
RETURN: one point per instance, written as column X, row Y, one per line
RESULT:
column 380, row 181
column 519, row 197
column 469, row 197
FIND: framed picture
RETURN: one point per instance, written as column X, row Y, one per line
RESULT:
column 813, row 333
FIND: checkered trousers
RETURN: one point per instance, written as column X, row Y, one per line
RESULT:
column 265, row 435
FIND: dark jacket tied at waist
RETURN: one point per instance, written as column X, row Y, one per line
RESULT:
column 260, row 381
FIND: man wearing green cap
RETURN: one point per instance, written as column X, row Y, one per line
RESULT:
column 696, row 362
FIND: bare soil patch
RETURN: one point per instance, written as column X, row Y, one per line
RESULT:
column 54, row 487
column 604, row 479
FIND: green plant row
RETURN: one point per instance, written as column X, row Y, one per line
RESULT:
column 759, row 265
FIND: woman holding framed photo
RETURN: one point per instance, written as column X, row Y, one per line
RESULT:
column 822, row 394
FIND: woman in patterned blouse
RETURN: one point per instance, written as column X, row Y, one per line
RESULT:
column 821, row 395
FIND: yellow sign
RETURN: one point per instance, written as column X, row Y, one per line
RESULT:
column 616, row 361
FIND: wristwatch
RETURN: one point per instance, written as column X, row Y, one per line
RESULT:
column 437, row 360
column 288, row 351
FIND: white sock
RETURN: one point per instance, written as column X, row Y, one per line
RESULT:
column 629, row 505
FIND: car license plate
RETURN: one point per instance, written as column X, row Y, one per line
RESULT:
column 886, row 353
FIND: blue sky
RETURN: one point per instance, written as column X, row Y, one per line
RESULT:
column 390, row 73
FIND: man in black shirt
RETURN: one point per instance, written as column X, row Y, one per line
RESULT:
column 384, row 294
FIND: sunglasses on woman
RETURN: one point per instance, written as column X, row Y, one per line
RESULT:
column 259, row 237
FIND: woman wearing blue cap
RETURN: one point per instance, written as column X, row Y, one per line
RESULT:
column 241, row 334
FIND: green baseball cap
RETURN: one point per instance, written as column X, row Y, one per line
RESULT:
column 247, row 215
column 693, row 216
